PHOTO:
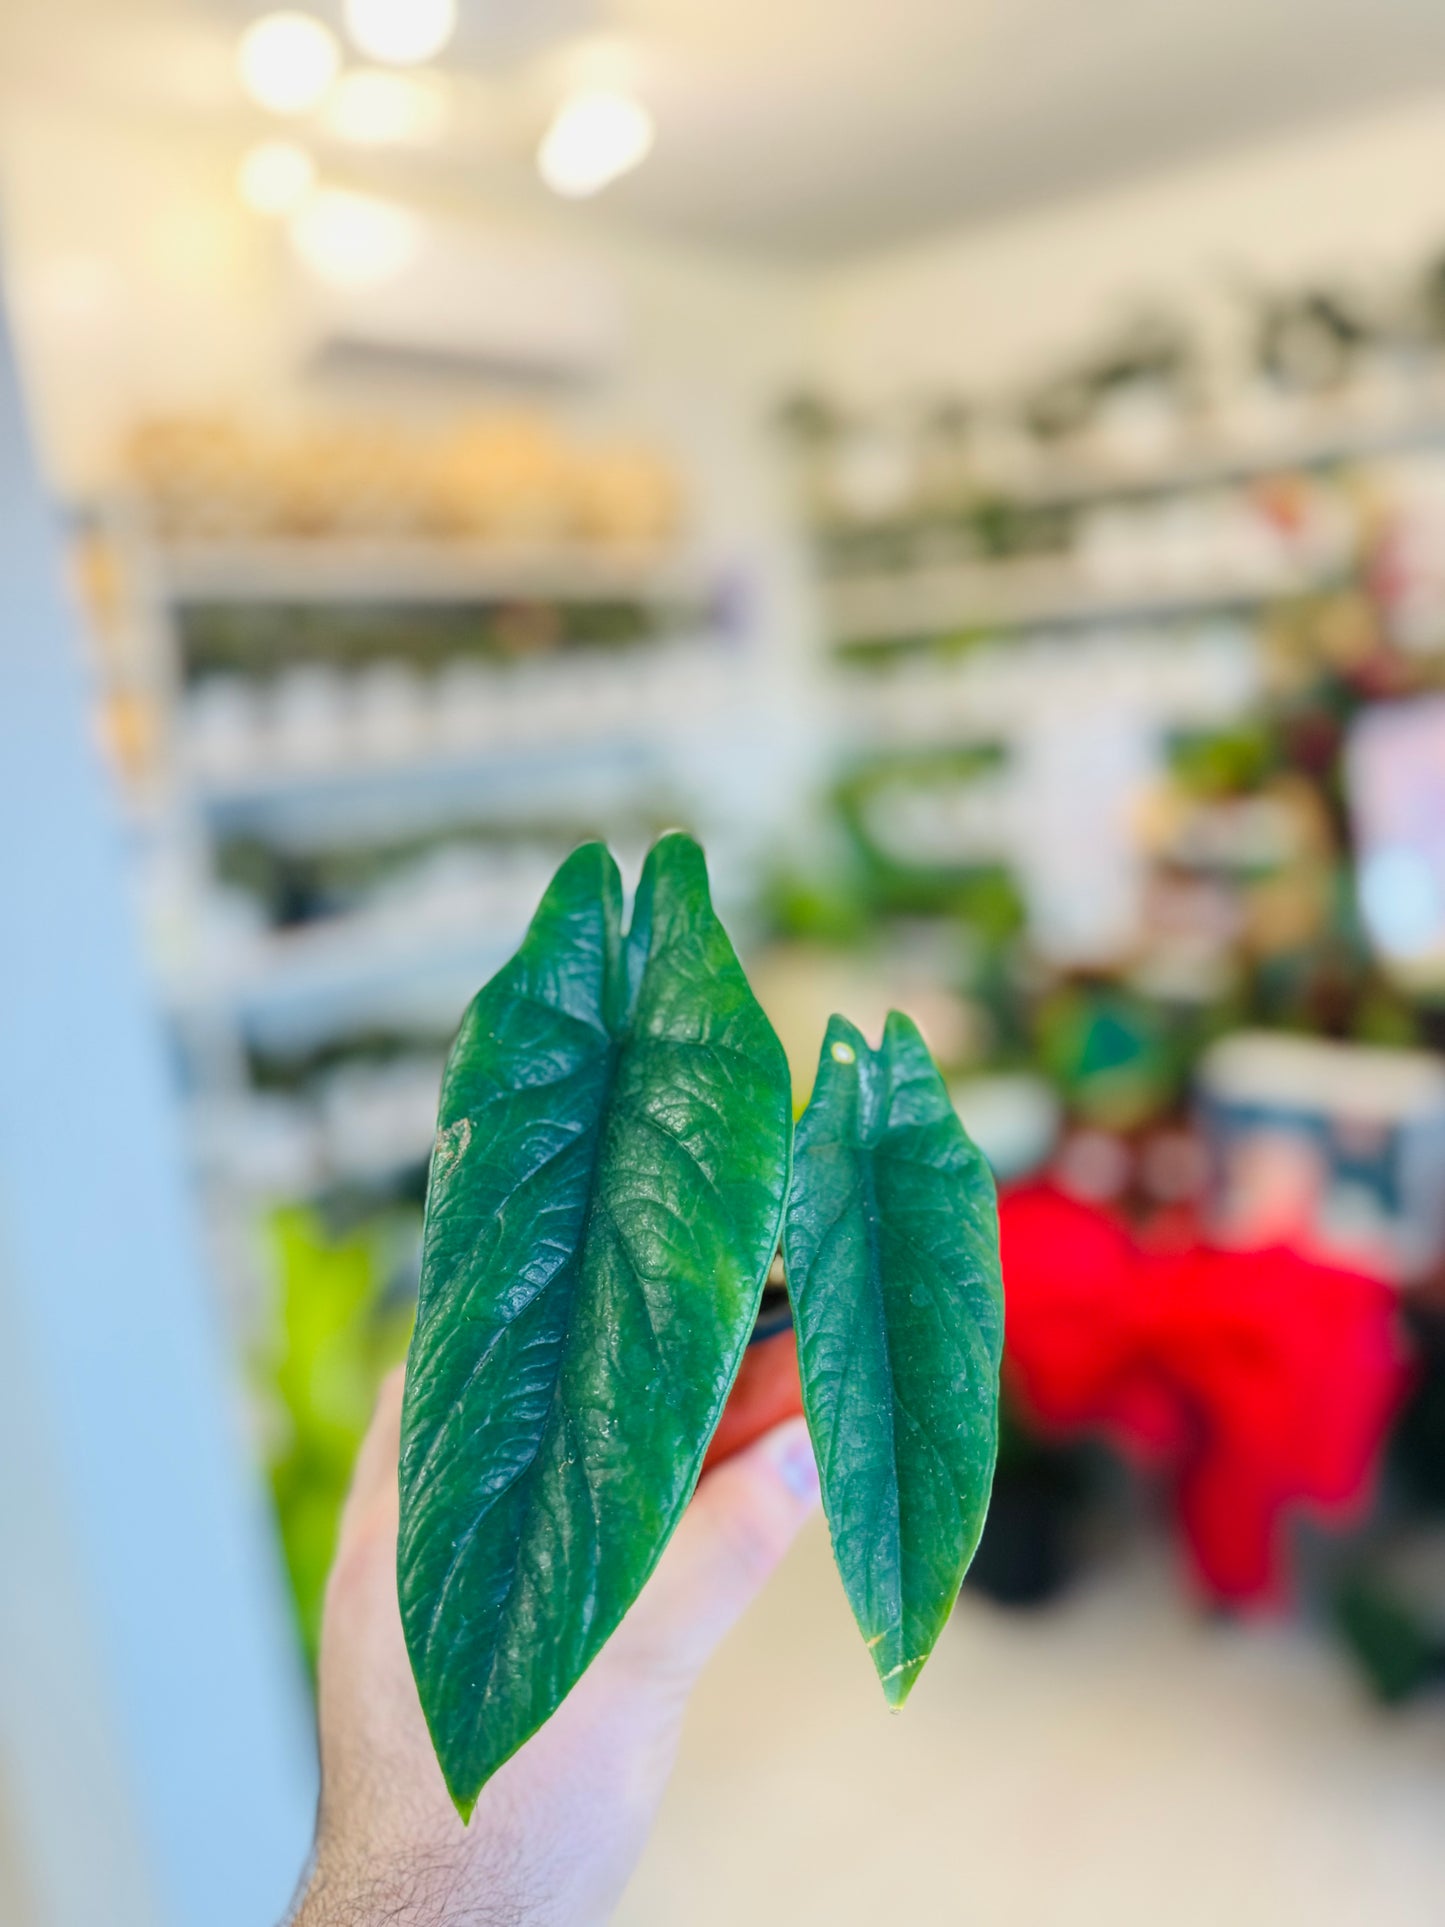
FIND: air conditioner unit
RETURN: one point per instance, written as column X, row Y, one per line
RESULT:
column 387, row 283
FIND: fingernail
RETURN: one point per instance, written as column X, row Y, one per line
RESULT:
column 797, row 1467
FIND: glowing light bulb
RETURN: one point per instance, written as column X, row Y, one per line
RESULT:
column 275, row 177
column 377, row 109
column 288, row 61
column 594, row 138
column 351, row 240
column 401, row 33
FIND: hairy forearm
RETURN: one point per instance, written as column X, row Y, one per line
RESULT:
column 333, row 1900
column 561, row 1825
column 413, row 1895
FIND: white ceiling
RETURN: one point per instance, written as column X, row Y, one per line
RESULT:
column 810, row 127
column 830, row 123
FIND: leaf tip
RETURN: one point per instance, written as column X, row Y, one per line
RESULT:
column 675, row 838
column 586, row 873
column 898, row 1682
column 590, row 854
column 896, row 1676
column 677, row 858
column 843, row 1041
column 901, row 1031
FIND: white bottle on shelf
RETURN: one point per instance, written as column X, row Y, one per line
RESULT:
column 308, row 715
column 390, row 718
column 464, row 703
column 222, row 733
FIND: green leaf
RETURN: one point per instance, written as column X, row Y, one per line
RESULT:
column 605, row 1198
column 892, row 1255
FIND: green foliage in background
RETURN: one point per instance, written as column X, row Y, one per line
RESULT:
column 249, row 639
column 1223, row 762
column 338, row 1331
column 1395, row 1649
column 1114, row 1055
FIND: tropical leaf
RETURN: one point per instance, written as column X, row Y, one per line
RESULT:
column 605, row 1197
column 892, row 1256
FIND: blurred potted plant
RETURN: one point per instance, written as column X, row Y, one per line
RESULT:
column 339, row 1332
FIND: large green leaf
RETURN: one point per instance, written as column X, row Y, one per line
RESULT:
column 605, row 1197
column 892, row 1254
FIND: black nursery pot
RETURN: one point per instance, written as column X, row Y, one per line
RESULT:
column 1026, row 1556
column 775, row 1313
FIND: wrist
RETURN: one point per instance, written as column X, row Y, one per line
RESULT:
column 404, row 1890
column 361, row 1897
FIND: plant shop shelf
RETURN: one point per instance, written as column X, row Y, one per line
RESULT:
column 328, row 571
column 907, row 604
column 309, row 985
column 271, row 796
column 1331, row 438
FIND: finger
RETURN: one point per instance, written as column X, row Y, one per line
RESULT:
column 741, row 1522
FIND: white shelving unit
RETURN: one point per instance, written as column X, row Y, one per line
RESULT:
column 590, row 735
column 1075, row 668
column 1320, row 436
column 921, row 598
column 900, row 606
column 326, row 569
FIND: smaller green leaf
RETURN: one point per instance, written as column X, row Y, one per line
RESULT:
column 891, row 1243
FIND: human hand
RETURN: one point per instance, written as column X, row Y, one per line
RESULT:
column 558, row 1829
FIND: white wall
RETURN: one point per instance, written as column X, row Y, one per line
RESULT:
column 989, row 305
column 148, row 1679
column 139, row 282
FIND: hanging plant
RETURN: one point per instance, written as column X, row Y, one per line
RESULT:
column 614, row 1169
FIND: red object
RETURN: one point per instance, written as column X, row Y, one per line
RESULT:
column 766, row 1392
column 1257, row 1379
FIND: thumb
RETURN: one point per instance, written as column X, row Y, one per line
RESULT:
column 742, row 1520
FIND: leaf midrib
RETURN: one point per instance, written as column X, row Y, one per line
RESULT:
column 868, row 1187
column 572, row 1269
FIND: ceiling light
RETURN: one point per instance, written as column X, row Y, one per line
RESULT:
column 377, row 109
column 594, row 138
column 288, row 61
column 401, row 33
column 276, row 177
column 351, row 240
